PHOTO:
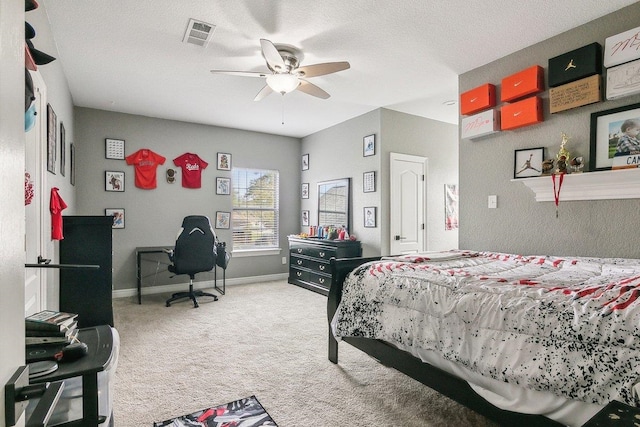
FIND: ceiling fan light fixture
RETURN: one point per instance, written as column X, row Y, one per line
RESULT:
column 283, row 83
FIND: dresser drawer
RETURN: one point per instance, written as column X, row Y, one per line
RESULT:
column 298, row 275
column 311, row 264
column 313, row 251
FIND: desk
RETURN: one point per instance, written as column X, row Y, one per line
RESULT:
column 141, row 250
column 99, row 341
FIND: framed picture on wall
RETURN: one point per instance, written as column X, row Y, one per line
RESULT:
column 305, row 190
column 305, row 217
column 223, row 186
column 369, row 145
column 51, row 139
column 118, row 216
column 114, row 181
column 613, row 136
column 63, row 149
column 224, row 162
column 528, row 162
column 305, row 162
column 223, row 220
column 370, row 217
column 72, row 161
column 114, row 148
column 369, row 182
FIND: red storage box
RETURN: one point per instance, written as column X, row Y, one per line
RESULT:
column 478, row 99
column 522, row 113
column 523, row 83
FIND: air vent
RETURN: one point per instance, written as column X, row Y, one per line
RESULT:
column 198, row 33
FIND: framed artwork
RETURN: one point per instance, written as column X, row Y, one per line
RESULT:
column 370, row 217
column 63, row 149
column 114, row 181
column 369, row 182
column 305, row 217
column 305, row 190
column 72, row 166
column 450, row 207
column 51, row 139
column 223, row 186
column 305, row 162
column 118, row 216
column 369, row 145
column 528, row 163
column 114, row 149
column 224, row 162
column 614, row 133
column 223, row 219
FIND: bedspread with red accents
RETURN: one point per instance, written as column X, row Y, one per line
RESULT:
column 565, row 325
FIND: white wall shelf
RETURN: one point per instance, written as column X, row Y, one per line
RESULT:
column 601, row 185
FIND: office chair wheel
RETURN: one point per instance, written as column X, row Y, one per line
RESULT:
column 168, row 304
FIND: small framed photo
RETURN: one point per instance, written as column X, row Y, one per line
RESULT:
column 370, row 217
column 305, row 190
column 224, row 162
column 118, row 217
column 528, row 163
column 369, row 145
column 63, row 149
column 114, row 148
column 305, row 162
column 223, row 186
column 614, row 136
column 51, row 139
column 223, row 219
column 72, row 166
column 305, row 217
column 369, row 182
column 114, row 181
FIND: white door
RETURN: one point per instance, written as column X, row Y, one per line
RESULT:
column 407, row 203
column 36, row 146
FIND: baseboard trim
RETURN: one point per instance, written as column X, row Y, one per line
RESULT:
column 205, row 284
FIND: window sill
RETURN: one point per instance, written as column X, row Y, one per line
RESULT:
column 240, row 253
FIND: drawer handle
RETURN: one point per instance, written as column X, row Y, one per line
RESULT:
column 321, row 280
column 322, row 254
column 299, row 250
column 299, row 262
column 321, row 267
column 298, row 273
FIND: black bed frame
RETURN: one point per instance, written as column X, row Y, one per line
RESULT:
column 439, row 380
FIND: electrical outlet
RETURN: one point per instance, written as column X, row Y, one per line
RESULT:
column 284, row 260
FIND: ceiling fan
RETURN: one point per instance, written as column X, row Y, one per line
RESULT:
column 286, row 74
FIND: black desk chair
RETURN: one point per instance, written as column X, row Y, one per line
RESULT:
column 195, row 252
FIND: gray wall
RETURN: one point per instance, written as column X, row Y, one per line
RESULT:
column 336, row 152
column 152, row 217
column 520, row 224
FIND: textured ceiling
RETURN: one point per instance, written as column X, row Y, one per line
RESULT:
column 128, row 56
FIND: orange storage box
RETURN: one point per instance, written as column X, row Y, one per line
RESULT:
column 521, row 84
column 478, row 99
column 522, row 113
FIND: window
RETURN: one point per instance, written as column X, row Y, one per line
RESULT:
column 255, row 208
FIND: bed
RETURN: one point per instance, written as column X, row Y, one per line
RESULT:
column 530, row 340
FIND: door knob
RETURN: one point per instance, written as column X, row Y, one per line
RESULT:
column 43, row 260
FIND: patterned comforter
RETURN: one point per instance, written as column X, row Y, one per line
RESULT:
column 564, row 325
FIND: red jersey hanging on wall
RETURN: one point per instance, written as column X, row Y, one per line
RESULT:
column 145, row 163
column 192, row 167
column 56, row 206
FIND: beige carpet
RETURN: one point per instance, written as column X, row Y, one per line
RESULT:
column 267, row 339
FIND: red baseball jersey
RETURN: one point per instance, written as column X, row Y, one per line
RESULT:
column 192, row 167
column 145, row 163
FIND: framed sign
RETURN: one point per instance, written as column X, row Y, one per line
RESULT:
column 114, row 149
column 614, row 133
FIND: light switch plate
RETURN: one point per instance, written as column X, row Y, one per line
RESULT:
column 493, row 202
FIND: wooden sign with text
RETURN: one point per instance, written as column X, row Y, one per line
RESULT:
column 576, row 94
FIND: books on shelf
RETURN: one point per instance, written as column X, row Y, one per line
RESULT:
column 51, row 340
column 52, row 321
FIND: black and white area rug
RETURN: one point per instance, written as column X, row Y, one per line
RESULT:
column 247, row 412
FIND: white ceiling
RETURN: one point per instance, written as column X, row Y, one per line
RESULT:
column 128, row 56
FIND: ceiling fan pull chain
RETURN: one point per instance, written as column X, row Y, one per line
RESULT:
column 283, row 109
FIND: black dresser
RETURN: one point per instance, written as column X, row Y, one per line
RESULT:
column 309, row 261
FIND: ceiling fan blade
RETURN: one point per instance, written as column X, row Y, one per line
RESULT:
column 241, row 73
column 313, row 90
column 265, row 91
column 271, row 54
column 321, row 69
